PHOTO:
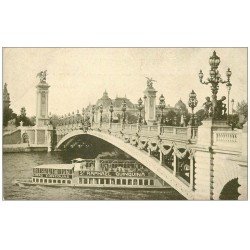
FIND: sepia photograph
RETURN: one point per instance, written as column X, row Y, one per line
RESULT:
column 125, row 123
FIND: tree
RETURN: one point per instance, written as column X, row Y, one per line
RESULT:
column 54, row 120
column 170, row 117
column 233, row 120
column 131, row 118
column 242, row 108
column 22, row 117
column 200, row 115
column 7, row 115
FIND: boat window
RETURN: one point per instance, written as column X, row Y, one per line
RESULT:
column 45, row 180
column 118, row 182
column 68, row 181
column 37, row 180
column 129, row 182
column 152, row 182
column 145, row 182
column 58, row 181
column 124, row 181
column 33, row 179
column 135, row 182
column 63, row 181
column 50, row 181
column 54, row 181
column 85, row 181
column 102, row 181
column 140, row 182
column 94, row 181
column 113, row 181
column 107, row 181
column 41, row 180
column 59, row 171
column 80, row 180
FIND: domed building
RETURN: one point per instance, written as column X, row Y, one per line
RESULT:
column 181, row 106
column 106, row 101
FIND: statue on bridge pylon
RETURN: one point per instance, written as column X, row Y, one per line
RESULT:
column 42, row 75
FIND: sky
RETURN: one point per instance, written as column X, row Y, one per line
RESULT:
column 79, row 76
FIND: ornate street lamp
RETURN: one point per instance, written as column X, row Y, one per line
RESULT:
column 83, row 114
column 78, row 119
column 192, row 103
column 175, row 121
column 124, row 108
column 140, row 107
column 50, row 117
column 101, row 110
column 93, row 113
column 229, row 86
column 73, row 117
column 214, row 80
column 62, row 120
column 69, row 122
column 162, row 106
column 111, row 110
column 144, row 118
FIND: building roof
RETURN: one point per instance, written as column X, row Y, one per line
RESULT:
column 104, row 100
column 180, row 105
column 119, row 100
column 56, row 166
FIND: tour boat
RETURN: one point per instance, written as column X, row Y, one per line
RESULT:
column 98, row 173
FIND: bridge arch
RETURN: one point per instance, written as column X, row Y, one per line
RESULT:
column 140, row 155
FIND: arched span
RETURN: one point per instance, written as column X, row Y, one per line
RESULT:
column 141, row 156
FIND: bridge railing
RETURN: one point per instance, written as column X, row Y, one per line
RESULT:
column 182, row 133
column 231, row 139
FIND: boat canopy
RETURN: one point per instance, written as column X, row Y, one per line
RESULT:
column 56, row 166
column 78, row 160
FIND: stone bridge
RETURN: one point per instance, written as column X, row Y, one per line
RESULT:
column 201, row 163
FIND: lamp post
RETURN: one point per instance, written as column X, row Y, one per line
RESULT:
column 124, row 108
column 73, row 117
column 162, row 106
column 111, row 110
column 144, row 116
column 93, row 113
column 214, row 80
column 140, row 107
column 175, row 120
column 232, row 104
column 192, row 103
column 50, row 117
column 83, row 114
column 101, row 110
column 229, row 86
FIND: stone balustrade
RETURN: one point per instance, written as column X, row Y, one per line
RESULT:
column 227, row 139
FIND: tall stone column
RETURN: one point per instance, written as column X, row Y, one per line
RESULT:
column 150, row 103
column 42, row 118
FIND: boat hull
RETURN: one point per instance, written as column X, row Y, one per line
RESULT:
column 99, row 186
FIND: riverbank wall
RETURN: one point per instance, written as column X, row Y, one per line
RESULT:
column 20, row 148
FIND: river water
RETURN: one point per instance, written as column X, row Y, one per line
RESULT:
column 19, row 165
